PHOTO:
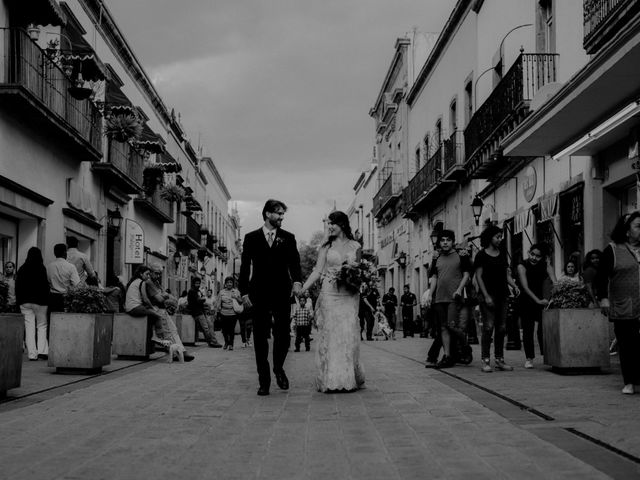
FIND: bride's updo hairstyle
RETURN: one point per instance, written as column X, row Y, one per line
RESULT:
column 340, row 218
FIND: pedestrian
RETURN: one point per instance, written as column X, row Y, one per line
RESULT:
column 590, row 272
column 408, row 301
column 618, row 282
column 371, row 300
column 448, row 277
column 81, row 261
column 571, row 273
column 301, row 316
column 32, row 295
column 229, row 301
column 62, row 277
column 9, row 277
column 183, row 302
column 532, row 275
column 382, row 323
column 494, row 278
column 363, row 308
column 195, row 303
column 390, row 305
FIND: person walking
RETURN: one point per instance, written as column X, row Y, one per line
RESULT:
column 195, row 302
column 371, row 300
column 9, row 277
column 494, row 278
column 62, row 277
column 269, row 273
column 390, row 305
column 408, row 301
column 32, row 295
column 618, row 282
column 227, row 312
column 447, row 279
column 80, row 260
column 532, row 274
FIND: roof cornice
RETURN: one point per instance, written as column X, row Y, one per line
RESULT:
column 106, row 25
column 401, row 45
column 457, row 15
column 208, row 161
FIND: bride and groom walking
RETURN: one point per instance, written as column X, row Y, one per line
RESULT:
column 270, row 272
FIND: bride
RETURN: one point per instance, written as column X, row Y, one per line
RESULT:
column 337, row 355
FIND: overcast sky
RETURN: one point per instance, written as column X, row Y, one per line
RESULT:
column 278, row 91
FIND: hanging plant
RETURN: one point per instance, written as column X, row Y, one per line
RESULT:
column 123, row 127
column 172, row 193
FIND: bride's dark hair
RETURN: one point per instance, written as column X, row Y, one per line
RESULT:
column 340, row 218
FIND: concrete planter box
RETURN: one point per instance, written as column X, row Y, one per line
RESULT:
column 11, row 338
column 131, row 337
column 186, row 326
column 80, row 340
column 575, row 338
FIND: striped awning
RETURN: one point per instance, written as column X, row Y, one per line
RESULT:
column 150, row 141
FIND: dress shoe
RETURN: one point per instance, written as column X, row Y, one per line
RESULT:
column 215, row 345
column 43, row 356
column 188, row 357
column 263, row 391
column 282, row 380
column 445, row 362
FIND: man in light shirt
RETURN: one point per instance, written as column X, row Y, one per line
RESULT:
column 62, row 276
column 79, row 260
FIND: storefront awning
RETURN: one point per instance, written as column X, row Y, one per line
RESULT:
column 38, row 12
column 117, row 103
column 521, row 221
column 547, row 208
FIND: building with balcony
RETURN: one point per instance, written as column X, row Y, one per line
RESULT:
column 360, row 211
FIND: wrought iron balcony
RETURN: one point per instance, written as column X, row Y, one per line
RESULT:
column 123, row 167
column 35, row 87
column 188, row 230
column 453, row 157
column 388, row 194
column 420, row 186
column 603, row 19
column 504, row 110
column 156, row 206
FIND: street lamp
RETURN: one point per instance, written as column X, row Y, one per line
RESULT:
column 114, row 219
column 434, row 237
column 476, row 208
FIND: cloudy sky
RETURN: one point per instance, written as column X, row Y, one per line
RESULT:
column 278, row 91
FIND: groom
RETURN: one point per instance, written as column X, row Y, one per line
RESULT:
column 270, row 257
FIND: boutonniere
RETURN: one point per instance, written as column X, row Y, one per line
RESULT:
column 277, row 241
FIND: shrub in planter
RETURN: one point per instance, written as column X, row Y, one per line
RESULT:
column 11, row 338
column 80, row 337
column 569, row 294
column 172, row 193
column 122, row 127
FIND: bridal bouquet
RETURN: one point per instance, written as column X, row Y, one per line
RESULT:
column 353, row 274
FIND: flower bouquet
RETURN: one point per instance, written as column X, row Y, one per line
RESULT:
column 353, row 274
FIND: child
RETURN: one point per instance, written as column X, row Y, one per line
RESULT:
column 383, row 325
column 301, row 315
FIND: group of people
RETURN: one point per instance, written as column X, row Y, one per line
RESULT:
column 380, row 314
column 37, row 290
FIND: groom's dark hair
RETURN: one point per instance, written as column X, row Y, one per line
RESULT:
column 271, row 205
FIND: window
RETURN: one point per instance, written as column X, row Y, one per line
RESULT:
column 417, row 160
column 438, row 133
column 427, row 146
column 468, row 102
column 453, row 116
column 545, row 27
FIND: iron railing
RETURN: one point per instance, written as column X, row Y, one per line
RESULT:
column 193, row 229
column 25, row 64
column 390, row 187
column 603, row 18
column 526, row 76
column 452, row 148
column 160, row 203
column 422, row 181
column 126, row 159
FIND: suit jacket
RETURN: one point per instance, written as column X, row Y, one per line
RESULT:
column 267, row 273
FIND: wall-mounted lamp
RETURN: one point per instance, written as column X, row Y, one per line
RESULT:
column 176, row 259
column 402, row 259
column 114, row 219
column 34, row 32
column 476, row 208
column 434, row 238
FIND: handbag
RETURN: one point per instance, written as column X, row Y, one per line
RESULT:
column 237, row 307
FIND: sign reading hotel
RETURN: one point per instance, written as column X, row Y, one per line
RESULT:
column 134, row 242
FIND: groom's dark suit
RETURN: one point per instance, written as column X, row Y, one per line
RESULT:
column 266, row 275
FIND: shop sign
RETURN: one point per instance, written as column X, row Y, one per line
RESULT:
column 134, row 242
column 529, row 182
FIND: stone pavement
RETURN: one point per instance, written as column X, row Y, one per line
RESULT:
column 204, row 420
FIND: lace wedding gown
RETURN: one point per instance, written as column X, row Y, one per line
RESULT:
column 338, row 352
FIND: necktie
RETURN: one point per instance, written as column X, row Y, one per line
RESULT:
column 270, row 239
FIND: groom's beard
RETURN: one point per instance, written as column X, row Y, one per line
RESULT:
column 274, row 224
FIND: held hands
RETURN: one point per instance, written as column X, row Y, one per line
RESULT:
column 605, row 306
column 246, row 301
column 543, row 302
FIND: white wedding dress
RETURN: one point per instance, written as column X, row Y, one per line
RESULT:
column 338, row 352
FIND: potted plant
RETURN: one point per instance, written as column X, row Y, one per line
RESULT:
column 172, row 193
column 152, row 177
column 575, row 336
column 80, row 337
column 11, row 338
column 122, row 127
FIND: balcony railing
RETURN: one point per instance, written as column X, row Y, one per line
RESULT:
column 193, row 229
column 24, row 64
column 210, row 242
column 508, row 104
column 424, row 180
column 127, row 161
column 453, row 155
column 391, row 188
column 604, row 18
column 156, row 205
column 189, row 229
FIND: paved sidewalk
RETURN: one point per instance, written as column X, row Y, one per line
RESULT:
column 204, row 420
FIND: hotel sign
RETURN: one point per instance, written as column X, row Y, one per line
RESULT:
column 133, row 242
column 529, row 183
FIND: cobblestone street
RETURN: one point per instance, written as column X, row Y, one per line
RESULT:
column 204, row 420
